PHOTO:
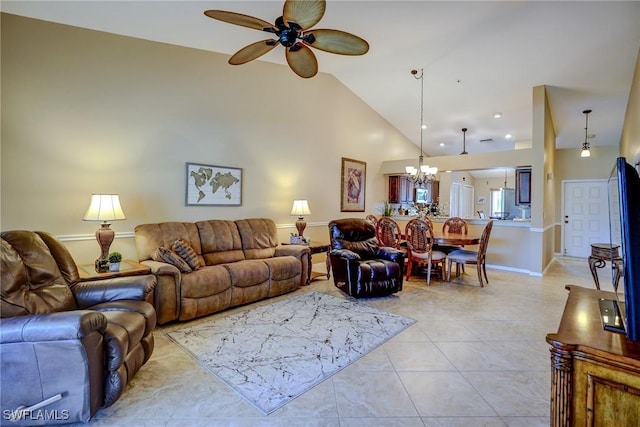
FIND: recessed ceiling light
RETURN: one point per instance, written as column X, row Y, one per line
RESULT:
column 508, row 136
column 497, row 115
column 442, row 144
column 424, row 126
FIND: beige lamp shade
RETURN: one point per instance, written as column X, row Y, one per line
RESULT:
column 300, row 208
column 105, row 208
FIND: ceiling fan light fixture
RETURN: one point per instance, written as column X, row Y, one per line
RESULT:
column 586, row 147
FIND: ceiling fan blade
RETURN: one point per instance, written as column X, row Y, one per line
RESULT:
column 251, row 52
column 302, row 61
column 305, row 13
column 341, row 42
column 238, row 19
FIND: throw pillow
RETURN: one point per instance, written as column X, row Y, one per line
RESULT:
column 165, row 255
column 187, row 253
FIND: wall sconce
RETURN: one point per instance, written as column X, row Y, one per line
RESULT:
column 300, row 208
column 105, row 208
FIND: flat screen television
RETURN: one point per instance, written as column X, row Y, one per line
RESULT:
column 624, row 229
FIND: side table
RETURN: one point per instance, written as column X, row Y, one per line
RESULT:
column 318, row 248
column 601, row 252
column 127, row 268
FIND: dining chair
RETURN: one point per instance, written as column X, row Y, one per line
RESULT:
column 388, row 232
column 373, row 219
column 453, row 225
column 464, row 256
column 419, row 236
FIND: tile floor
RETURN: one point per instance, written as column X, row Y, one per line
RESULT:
column 475, row 357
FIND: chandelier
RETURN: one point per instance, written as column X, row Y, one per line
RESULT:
column 423, row 173
column 585, row 152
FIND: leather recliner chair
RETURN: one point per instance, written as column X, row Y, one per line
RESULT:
column 362, row 268
column 73, row 343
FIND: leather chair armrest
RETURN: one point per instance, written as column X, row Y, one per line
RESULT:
column 345, row 253
column 295, row 250
column 67, row 325
column 141, row 307
column 391, row 254
column 120, row 288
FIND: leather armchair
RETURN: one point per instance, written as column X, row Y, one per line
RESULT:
column 362, row 268
column 74, row 344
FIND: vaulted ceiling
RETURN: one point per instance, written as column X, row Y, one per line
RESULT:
column 479, row 58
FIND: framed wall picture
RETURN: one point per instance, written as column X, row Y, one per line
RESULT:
column 353, row 185
column 210, row 185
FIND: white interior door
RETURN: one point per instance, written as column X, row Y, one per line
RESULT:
column 466, row 205
column 585, row 216
column 454, row 199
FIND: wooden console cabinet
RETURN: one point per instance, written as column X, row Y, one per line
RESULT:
column 595, row 374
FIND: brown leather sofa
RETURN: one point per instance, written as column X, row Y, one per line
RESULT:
column 362, row 268
column 238, row 262
column 81, row 341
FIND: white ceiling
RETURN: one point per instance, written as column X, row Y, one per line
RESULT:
column 478, row 57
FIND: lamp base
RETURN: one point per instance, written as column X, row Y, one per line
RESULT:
column 104, row 236
column 300, row 226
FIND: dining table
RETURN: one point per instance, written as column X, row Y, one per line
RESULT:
column 455, row 239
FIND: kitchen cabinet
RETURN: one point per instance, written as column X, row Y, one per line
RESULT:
column 401, row 189
column 523, row 186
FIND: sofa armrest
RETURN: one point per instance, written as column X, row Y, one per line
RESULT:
column 141, row 307
column 297, row 251
column 391, row 254
column 345, row 253
column 120, row 288
column 62, row 326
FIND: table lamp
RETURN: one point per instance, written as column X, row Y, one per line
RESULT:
column 105, row 208
column 299, row 209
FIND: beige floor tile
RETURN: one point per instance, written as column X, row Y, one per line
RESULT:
column 475, row 357
column 444, row 394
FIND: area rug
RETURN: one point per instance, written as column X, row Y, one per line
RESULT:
column 273, row 353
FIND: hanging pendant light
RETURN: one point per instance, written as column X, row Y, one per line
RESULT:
column 423, row 173
column 464, row 141
column 586, row 152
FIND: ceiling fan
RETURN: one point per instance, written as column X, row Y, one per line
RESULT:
column 292, row 32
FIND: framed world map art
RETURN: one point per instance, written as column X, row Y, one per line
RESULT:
column 210, row 185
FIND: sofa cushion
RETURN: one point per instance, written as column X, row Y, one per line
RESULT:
column 220, row 241
column 248, row 273
column 167, row 255
column 187, row 253
column 149, row 237
column 206, row 281
column 259, row 237
column 283, row 267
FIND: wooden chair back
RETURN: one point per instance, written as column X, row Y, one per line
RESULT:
column 419, row 236
column 388, row 232
column 455, row 225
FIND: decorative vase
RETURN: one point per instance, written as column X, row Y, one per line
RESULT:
column 114, row 266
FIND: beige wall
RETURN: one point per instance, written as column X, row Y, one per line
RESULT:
column 85, row 111
column 630, row 140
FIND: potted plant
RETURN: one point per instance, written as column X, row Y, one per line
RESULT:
column 387, row 209
column 114, row 261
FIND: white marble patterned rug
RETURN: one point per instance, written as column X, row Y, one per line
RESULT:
column 273, row 353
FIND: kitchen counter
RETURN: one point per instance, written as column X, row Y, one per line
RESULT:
column 473, row 221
